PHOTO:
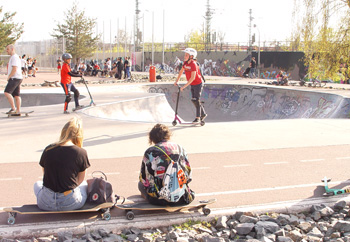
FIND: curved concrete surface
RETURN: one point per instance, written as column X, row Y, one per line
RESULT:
column 247, row 164
column 36, row 99
column 145, row 109
column 228, row 102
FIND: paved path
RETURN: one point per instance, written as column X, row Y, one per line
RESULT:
column 246, row 163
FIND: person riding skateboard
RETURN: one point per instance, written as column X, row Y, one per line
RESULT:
column 14, row 80
column 194, row 78
column 66, row 74
column 154, row 167
column 64, row 165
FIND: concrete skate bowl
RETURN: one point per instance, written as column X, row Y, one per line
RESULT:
column 36, row 99
column 153, row 108
column 225, row 103
column 229, row 102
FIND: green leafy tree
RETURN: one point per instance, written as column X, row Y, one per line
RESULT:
column 326, row 46
column 196, row 40
column 9, row 31
column 77, row 33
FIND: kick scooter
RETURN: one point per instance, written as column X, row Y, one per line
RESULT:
column 91, row 100
column 177, row 119
column 332, row 192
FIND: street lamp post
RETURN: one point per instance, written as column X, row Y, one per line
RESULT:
column 258, row 50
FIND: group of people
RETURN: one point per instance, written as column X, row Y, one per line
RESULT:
column 107, row 69
column 28, row 66
column 64, row 163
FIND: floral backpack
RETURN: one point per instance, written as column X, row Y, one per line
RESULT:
column 175, row 183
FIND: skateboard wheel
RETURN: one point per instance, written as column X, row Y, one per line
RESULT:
column 202, row 123
column 174, row 123
column 11, row 220
column 130, row 215
column 206, row 211
column 106, row 216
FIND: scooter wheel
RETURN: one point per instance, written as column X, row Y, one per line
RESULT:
column 328, row 194
column 202, row 123
column 174, row 123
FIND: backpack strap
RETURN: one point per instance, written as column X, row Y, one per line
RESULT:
column 164, row 153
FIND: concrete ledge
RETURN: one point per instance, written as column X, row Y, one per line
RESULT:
column 116, row 224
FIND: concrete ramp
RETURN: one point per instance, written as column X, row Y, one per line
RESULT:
column 36, row 99
column 146, row 109
column 230, row 102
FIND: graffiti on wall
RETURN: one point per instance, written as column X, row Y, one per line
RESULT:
column 232, row 64
column 241, row 102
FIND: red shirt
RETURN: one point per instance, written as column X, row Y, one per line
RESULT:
column 189, row 67
column 65, row 77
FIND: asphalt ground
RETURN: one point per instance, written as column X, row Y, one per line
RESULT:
column 245, row 165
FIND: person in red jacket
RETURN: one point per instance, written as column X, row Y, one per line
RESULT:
column 195, row 80
column 66, row 74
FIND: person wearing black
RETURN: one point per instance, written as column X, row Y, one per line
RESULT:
column 126, row 68
column 252, row 66
column 120, row 67
column 64, row 167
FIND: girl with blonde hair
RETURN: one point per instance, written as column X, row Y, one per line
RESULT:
column 64, row 165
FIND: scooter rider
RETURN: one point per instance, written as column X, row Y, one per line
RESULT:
column 66, row 74
column 194, row 79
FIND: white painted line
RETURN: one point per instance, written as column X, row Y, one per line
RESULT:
column 239, row 165
column 11, row 179
column 200, row 168
column 314, row 160
column 342, row 158
column 268, row 189
column 276, row 163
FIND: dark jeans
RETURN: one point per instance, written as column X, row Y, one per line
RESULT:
column 156, row 201
column 196, row 91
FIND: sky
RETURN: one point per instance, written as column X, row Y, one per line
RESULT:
column 272, row 17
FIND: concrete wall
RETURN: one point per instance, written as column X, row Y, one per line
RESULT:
column 225, row 102
column 233, row 63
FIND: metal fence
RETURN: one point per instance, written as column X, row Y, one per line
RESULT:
column 46, row 52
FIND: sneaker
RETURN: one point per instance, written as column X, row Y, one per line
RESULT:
column 11, row 111
column 203, row 116
column 66, row 112
column 78, row 107
column 196, row 121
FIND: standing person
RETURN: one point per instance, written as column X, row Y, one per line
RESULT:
column 59, row 65
column 194, row 78
column 155, row 163
column 252, row 66
column 24, row 66
column 66, row 74
column 14, row 80
column 120, row 68
column 64, row 166
column 126, row 68
column 30, row 67
column 109, row 64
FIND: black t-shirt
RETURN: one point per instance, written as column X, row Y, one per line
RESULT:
column 252, row 63
column 126, row 63
column 62, row 165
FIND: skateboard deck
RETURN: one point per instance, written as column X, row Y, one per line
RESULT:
column 145, row 206
column 26, row 114
column 33, row 209
column 330, row 191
